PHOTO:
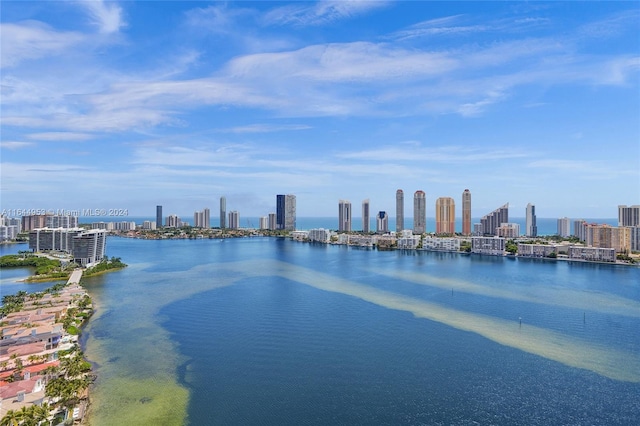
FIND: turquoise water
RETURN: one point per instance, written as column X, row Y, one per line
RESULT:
column 274, row 332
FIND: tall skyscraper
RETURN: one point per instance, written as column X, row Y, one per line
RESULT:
column 202, row 219
column 234, row 219
column 445, row 216
column 491, row 222
column 628, row 216
column 382, row 223
column 223, row 212
column 286, row 212
column 365, row 216
column 419, row 212
column 531, row 227
column 399, row 211
column 564, row 227
column 344, row 216
column 579, row 229
column 158, row 217
column 466, row 212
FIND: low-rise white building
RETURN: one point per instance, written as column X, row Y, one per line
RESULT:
column 299, row 235
column 440, row 244
column 320, row 235
column 488, row 245
column 595, row 254
column 536, row 250
column 407, row 240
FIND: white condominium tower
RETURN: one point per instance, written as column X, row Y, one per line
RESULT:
column 564, row 227
column 419, row 212
column 628, row 216
column 531, row 227
column 344, row 216
column 399, row 211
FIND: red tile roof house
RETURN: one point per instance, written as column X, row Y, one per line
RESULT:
column 16, row 395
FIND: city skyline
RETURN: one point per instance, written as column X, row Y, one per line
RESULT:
column 179, row 103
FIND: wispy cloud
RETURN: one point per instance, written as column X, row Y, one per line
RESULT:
column 60, row 136
column 415, row 152
column 106, row 16
column 266, row 128
column 321, row 12
column 32, row 40
column 13, row 145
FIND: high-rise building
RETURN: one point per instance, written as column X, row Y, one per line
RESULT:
column 234, row 219
column 580, row 229
column 531, row 227
column 491, row 221
column 607, row 236
column 173, row 221
column 158, row 217
column 264, row 222
column 508, row 230
column 202, row 219
column 466, row 212
column 61, row 221
column 286, row 212
column 445, row 216
column 399, row 211
column 273, row 222
column 223, row 212
column 419, row 212
column 365, row 216
column 86, row 246
column 35, row 221
column 629, row 216
column 344, row 216
column 382, row 223
column 564, row 227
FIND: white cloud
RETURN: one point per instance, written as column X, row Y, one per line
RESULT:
column 13, row 145
column 321, row 12
column 60, row 136
column 31, row 40
column 106, row 16
column 266, row 128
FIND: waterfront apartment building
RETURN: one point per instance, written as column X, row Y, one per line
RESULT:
column 234, row 219
column 382, row 222
column 344, row 216
column 365, row 216
column 441, row 243
column 223, row 212
column 466, row 212
column 508, row 230
column 580, row 229
column 564, row 227
column 86, row 246
column 607, row 236
column 173, row 221
column 635, row 238
column 158, row 217
column 445, row 216
column 34, row 221
column 202, row 219
column 419, row 212
column 399, row 210
column 320, row 235
column 594, row 254
column 629, row 216
column 273, row 222
column 286, row 212
column 264, row 222
column 491, row 222
column 149, row 225
column 531, row 229
column 488, row 245
column 537, row 250
column 61, row 221
column 406, row 240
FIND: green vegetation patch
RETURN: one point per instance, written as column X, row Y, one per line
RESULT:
column 154, row 401
column 106, row 265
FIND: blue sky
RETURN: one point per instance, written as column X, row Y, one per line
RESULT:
column 133, row 104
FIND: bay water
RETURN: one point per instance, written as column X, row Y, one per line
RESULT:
column 268, row 331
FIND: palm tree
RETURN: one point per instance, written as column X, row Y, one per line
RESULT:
column 10, row 419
